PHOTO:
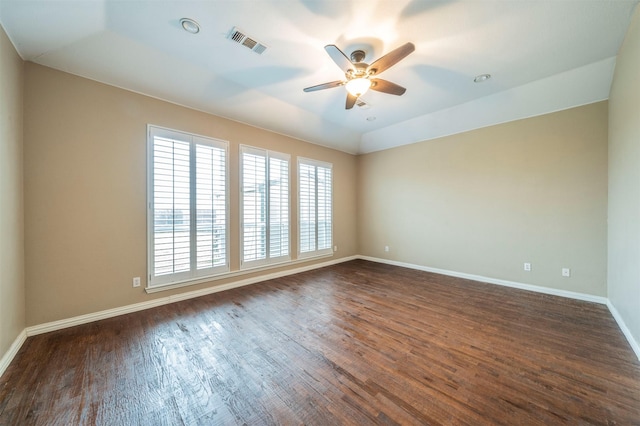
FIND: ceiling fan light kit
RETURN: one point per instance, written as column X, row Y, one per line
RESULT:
column 358, row 86
column 358, row 75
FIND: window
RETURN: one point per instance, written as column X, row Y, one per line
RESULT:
column 188, row 217
column 314, row 208
column 264, row 210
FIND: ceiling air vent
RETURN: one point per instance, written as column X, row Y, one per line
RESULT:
column 241, row 38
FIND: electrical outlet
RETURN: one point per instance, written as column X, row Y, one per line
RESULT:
column 386, row 248
column 136, row 282
column 335, row 248
column 566, row 272
column 527, row 266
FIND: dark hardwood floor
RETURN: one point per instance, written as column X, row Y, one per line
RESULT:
column 356, row 343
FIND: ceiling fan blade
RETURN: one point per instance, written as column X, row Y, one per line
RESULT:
column 339, row 57
column 391, row 58
column 324, row 86
column 380, row 85
column 351, row 101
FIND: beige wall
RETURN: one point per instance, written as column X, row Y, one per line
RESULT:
column 12, row 292
column 85, row 190
column 486, row 201
column 481, row 202
column 624, row 182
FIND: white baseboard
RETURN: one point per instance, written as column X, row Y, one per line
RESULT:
column 521, row 286
column 110, row 313
column 552, row 291
column 13, row 350
column 624, row 328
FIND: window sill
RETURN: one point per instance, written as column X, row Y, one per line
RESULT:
column 226, row 275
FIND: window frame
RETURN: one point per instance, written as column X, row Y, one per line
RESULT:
column 317, row 252
column 267, row 154
column 194, row 274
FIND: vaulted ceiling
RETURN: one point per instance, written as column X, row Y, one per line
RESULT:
column 542, row 56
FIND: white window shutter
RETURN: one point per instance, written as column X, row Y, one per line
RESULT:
column 254, row 205
column 211, row 211
column 264, row 187
column 171, row 223
column 307, row 207
column 315, row 209
column 187, row 220
column 278, row 208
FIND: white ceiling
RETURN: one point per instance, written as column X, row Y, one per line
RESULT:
column 543, row 56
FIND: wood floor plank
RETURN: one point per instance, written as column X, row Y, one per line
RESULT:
column 356, row 343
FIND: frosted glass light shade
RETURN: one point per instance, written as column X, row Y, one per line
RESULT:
column 358, row 86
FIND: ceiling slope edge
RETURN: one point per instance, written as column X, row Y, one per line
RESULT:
column 315, row 130
column 580, row 86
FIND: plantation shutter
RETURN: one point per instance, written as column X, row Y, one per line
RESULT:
column 171, row 225
column 315, row 209
column 278, row 208
column 265, row 206
column 254, row 205
column 211, row 203
column 307, row 207
column 187, row 206
column 324, row 207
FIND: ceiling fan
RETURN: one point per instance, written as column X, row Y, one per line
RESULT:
column 359, row 76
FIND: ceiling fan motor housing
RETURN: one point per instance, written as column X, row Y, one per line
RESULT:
column 357, row 56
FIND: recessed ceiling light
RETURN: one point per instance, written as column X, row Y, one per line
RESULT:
column 190, row 25
column 482, row 78
column 372, row 118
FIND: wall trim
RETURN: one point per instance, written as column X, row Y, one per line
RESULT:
column 530, row 287
column 110, row 313
column 13, row 350
column 538, row 289
column 624, row 328
column 228, row 275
